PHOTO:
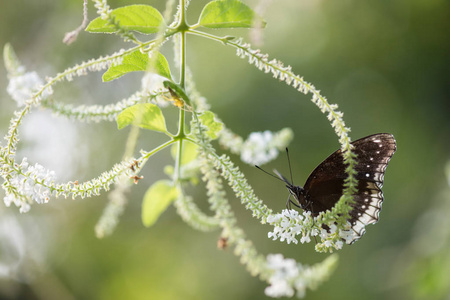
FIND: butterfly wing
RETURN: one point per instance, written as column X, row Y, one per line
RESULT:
column 325, row 185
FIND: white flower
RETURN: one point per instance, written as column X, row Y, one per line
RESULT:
column 333, row 228
column 297, row 229
column 305, row 239
column 273, row 219
column 323, row 234
column 22, row 87
column 338, row 245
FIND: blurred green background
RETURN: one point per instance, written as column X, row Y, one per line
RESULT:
column 385, row 63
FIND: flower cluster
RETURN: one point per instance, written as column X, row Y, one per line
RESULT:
column 289, row 224
column 31, row 184
column 98, row 113
column 92, row 65
column 22, row 87
column 285, row 276
column 262, row 147
column 103, row 8
column 289, row 276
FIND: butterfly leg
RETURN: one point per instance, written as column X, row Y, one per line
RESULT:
column 289, row 202
column 296, row 205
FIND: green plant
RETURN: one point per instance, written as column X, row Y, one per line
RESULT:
column 195, row 156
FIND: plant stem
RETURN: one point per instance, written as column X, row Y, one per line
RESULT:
column 181, row 128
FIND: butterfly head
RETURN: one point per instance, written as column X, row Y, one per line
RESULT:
column 295, row 190
column 299, row 195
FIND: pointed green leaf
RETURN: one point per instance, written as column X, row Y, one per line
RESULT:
column 141, row 18
column 159, row 65
column 156, row 200
column 144, row 115
column 214, row 127
column 138, row 61
column 229, row 14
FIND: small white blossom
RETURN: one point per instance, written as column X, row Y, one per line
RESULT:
column 22, row 87
column 273, row 219
column 339, row 244
column 305, row 239
column 323, row 234
column 333, row 228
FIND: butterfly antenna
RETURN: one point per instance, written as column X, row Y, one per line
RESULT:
column 268, row 173
column 289, row 163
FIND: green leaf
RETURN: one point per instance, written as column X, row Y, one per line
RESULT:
column 144, row 115
column 160, row 66
column 214, row 127
column 229, row 14
column 156, row 200
column 138, row 61
column 141, row 18
column 189, row 152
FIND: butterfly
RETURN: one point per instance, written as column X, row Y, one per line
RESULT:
column 324, row 186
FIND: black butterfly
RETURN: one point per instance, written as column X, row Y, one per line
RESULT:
column 324, row 186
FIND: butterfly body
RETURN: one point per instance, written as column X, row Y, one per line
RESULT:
column 325, row 185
